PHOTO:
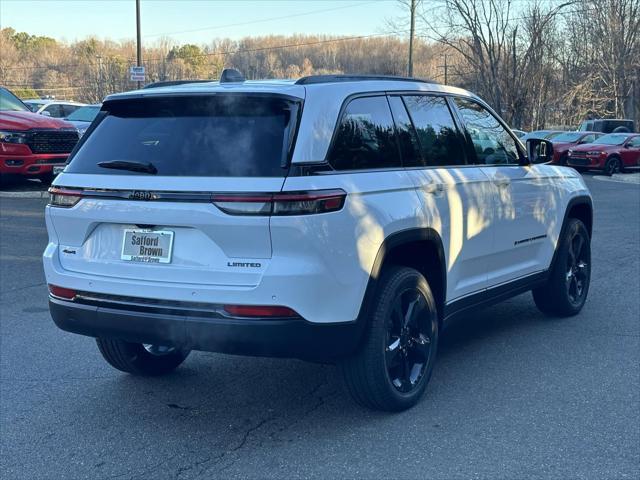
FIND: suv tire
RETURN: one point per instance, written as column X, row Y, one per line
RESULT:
column 566, row 289
column 613, row 165
column 136, row 358
column 393, row 365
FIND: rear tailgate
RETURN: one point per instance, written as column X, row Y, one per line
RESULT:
column 208, row 246
column 145, row 176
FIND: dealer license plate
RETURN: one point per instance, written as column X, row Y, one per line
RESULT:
column 149, row 246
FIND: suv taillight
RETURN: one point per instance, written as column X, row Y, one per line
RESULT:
column 284, row 203
column 62, row 197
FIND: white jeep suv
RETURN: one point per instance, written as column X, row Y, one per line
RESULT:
column 332, row 218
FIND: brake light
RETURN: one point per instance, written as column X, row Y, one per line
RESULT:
column 63, row 197
column 283, row 203
column 61, row 292
column 259, row 311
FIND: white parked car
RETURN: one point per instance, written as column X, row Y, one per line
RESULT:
column 331, row 218
column 53, row 108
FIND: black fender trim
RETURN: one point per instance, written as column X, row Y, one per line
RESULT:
column 575, row 201
column 393, row 241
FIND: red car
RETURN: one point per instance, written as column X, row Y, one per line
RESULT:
column 31, row 144
column 611, row 153
column 563, row 142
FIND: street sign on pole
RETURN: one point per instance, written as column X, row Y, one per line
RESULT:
column 136, row 74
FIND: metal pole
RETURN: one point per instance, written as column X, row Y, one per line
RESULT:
column 101, row 94
column 411, row 34
column 446, row 70
column 138, row 42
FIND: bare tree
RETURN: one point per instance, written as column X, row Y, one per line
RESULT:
column 603, row 45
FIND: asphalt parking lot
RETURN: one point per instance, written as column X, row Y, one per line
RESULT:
column 513, row 395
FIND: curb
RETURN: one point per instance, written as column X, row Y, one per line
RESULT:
column 35, row 194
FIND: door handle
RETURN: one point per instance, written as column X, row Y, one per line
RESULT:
column 434, row 188
column 502, row 181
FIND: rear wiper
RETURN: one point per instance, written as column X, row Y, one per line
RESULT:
column 131, row 166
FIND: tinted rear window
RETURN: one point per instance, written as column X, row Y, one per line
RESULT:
column 440, row 141
column 365, row 137
column 222, row 135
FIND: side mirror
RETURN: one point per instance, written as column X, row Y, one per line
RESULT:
column 45, row 113
column 539, row 151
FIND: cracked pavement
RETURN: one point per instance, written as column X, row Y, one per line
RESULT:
column 513, row 394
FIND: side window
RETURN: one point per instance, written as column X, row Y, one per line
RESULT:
column 365, row 137
column 54, row 110
column 492, row 142
column 439, row 139
column 635, row 142
column 588, row 139
column 409, row 146
column 68, row 110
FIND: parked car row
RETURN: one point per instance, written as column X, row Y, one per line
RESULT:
column 608, row 145
column 52, row 108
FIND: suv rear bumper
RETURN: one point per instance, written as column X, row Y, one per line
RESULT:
column 291, row 338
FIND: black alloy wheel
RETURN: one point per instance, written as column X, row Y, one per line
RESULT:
column 393, row 364
column 409, row 340
column 565, row 292
column 612, row 166
column 577, row 271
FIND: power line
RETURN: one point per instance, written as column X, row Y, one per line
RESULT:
column 229, row 52
column 263, row 20
column 280, row 47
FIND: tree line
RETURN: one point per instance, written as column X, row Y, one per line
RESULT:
column 539, row 63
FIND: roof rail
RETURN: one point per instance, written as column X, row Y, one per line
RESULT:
column 313, row 79
column 171, row 83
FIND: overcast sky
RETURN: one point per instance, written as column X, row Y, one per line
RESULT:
column 195, row 21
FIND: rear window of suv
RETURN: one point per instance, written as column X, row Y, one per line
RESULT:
column 224, row 135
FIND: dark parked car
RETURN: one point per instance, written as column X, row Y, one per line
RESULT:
column 608, row 126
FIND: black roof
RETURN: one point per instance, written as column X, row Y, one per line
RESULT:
column 313, row 79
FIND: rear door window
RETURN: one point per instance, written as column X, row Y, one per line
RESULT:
column 406, row 134
column 365, row 138
column 224, row 135
column 440, row 141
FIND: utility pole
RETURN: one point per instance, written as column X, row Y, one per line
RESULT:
column 138, row 42
column 446, row 69
column 411, row 35
column 101, row 94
